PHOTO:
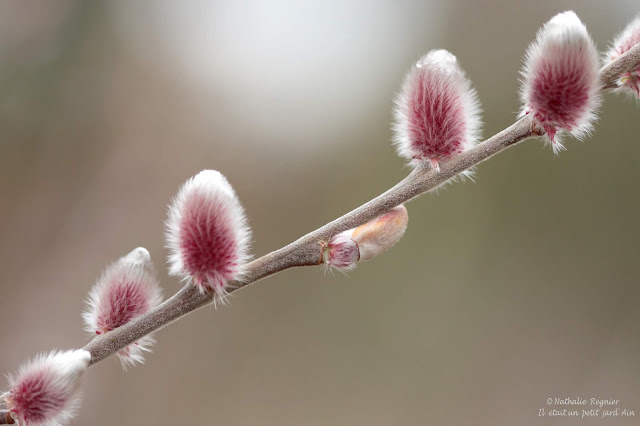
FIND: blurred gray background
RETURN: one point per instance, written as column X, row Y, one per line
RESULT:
column 503, row 293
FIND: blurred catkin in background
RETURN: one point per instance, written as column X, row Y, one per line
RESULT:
column 501, row 294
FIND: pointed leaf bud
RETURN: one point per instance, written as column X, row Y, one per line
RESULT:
column 45, row 391
column 437, row 113
column 560, row 84
column 628, row 38
column 127, row 289
column 366, row 241
column 207, row 233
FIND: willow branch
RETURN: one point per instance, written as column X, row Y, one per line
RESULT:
column 611, row 73
column 307, row 250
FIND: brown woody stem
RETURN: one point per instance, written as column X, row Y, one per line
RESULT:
column 307, row 250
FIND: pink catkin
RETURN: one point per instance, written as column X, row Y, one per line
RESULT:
column 34, row 399
column 560, row 94
column 560, row 78
column 127, row 289
column 44, row 392
column 437, row 111
column 207, row 233
column 434, row 120
column 628, row 38
column 207, row 244
column 126, row 300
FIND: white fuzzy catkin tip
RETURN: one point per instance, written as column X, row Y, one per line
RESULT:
column 207, row 233
column 127, row 289
column 366, row 241
column 560, row 79
column 628, row 38
column 437, row 112
column 45, row 391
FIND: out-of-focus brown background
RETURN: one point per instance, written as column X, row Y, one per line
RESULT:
column 503, row 293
